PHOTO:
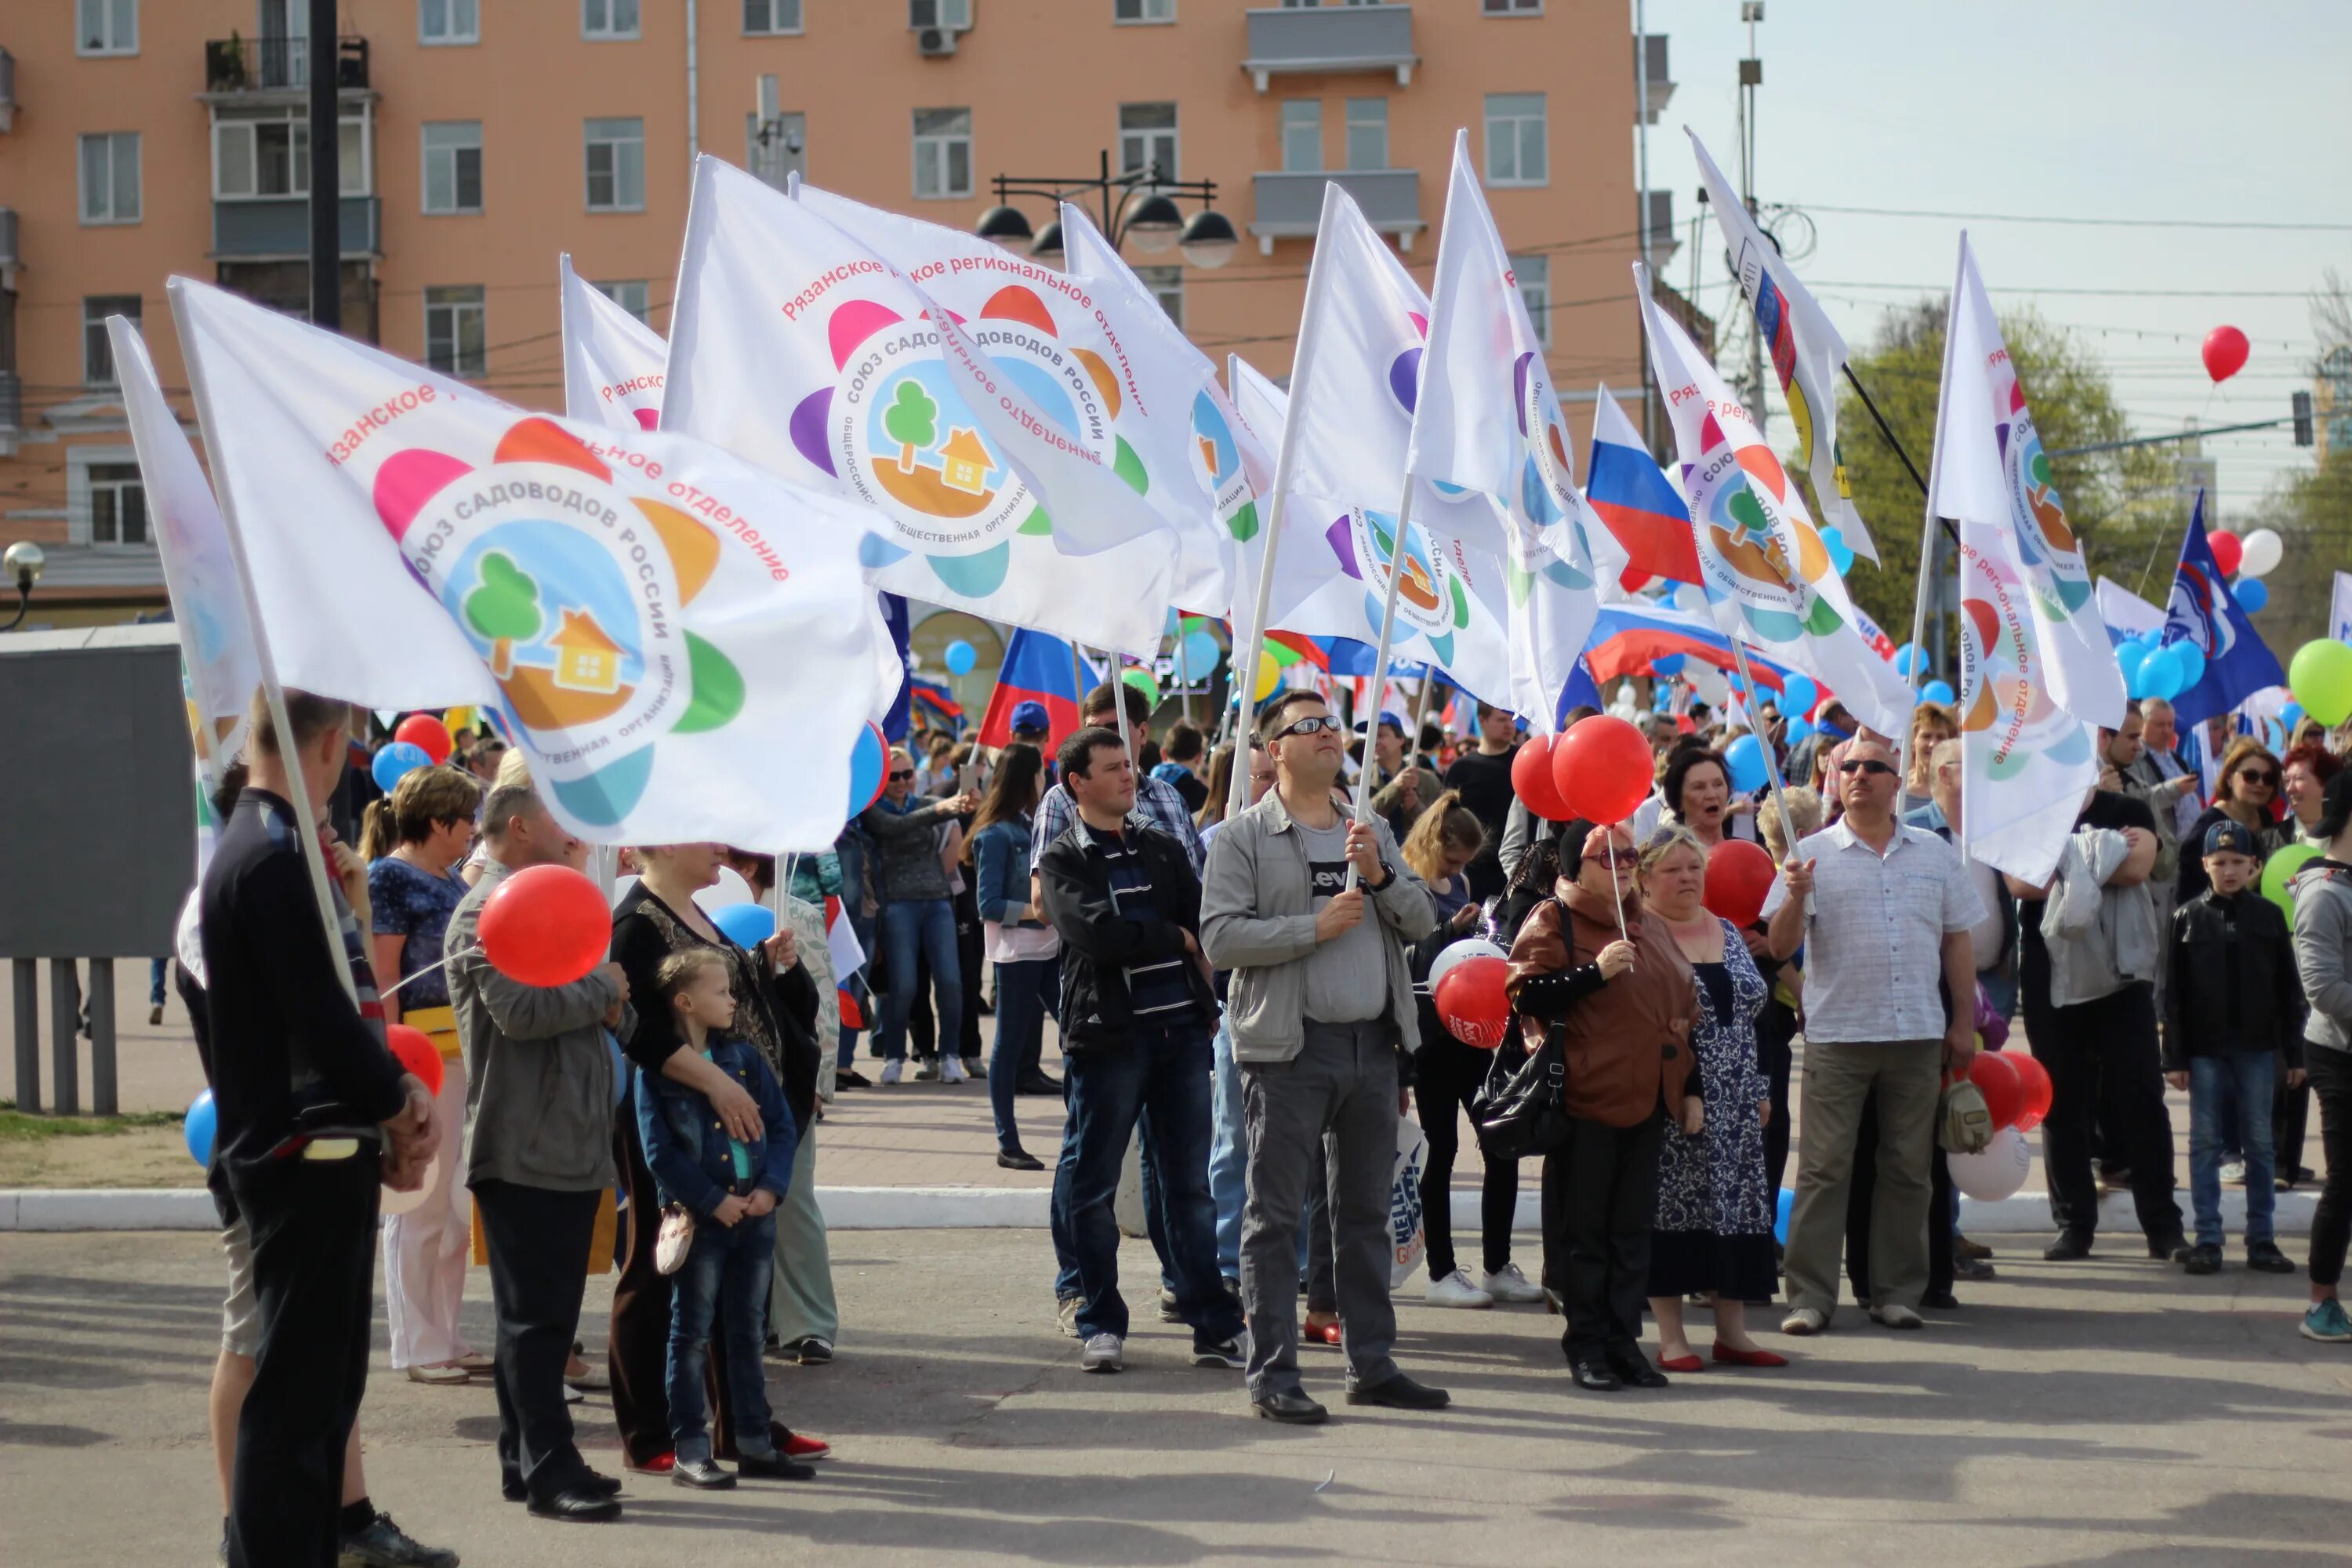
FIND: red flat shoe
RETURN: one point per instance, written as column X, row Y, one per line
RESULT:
column 1322, row 1333
column 1725, row 1353
column 798, row 1446
column 659, row 1465
column 1681, row 1364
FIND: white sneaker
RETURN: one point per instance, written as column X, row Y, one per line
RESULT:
column 1065, row 1316
column 1104, row 1353
column 1894, row 1315
column 951, row 1070
column 893, row 1068
column 2233, row 1173
column 1507, row 1284
column 1804, row 1321
column 1455, row 1290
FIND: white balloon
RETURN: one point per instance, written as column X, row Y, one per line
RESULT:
column 2260, row 553
column 729, row 889
column 401, row 1203
column 1454, row 953
column 1690, row 596
column 1995, row 1172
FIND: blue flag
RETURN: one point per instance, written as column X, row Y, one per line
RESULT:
column 2203, row 611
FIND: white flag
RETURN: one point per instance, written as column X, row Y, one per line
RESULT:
column 680, row 644
column 2339, row 610
column 1805, row 351
column 612, row 361
column 1769, row 578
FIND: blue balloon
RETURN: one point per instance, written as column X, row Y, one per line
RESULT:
column 2159, row 676
column 2253, row 594
column 867, row 759
column 2291, row 715
column 959, row 657
column 1781, row 1210
column 396, row 760
column 202, row 1124
column 1936, row 692
column 1198, row 656
column 1668, row 664
column 1798, row 694
column 2130, row 656
column 2191, row 661
column 1744, row 759
column 1799, row 730
column 1841, row 552
column 1908, row 660
column 745, row 925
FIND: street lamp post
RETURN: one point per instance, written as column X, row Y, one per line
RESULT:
column 1148, row 215
column 23, row 561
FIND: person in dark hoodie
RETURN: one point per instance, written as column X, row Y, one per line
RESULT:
column 2233, row 1008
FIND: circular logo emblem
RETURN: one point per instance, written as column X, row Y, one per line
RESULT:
column 1217, row 468
column 1432, row 600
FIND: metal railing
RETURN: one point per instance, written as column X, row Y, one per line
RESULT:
column 271, row 64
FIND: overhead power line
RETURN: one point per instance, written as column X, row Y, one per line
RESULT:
column 2085, row 222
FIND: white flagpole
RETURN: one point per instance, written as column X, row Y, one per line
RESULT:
column 306, row 821
column 1927, row 536
column 1380, row 659
column 1764, row 744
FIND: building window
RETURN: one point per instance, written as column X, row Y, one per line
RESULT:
column 106, row 28
column 1302, row 134
column 1514, row 140
column 1147, row 138
column 448, row 22
column 942, row 152
column 955, row 14
column 1367, row 133
column 1143, row 10
column 455, row 324
column 776, row 148
column 763, row 16
column 617, row 166
column 453, row 166
column 110, row 177
column 1166, row 286
column 97, row 348
column 269, row 155
column 117, row 504
column 630, row 296
column 1534, row 275
column 608, row 18
column 1512, row 7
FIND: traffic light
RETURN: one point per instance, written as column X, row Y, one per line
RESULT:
column 2303, row 432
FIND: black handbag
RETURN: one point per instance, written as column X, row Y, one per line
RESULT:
column 1518, row 1109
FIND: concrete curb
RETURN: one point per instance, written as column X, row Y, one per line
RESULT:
column 1024, row 1208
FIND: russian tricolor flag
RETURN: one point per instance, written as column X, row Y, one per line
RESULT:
column 1635, row 499
column 1041, row 669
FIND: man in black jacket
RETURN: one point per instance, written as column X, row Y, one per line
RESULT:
column 1136, row 1014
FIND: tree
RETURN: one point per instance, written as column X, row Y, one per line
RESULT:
column 505, row 609
column 2312, row 510
column 912, row 421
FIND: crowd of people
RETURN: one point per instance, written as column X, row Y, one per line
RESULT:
column 1238, row 963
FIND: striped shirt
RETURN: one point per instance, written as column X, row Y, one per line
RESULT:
column 1153, row 990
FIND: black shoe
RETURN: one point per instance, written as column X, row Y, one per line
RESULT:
column 384, row 1545
column 775, row 1468
column 1634, row 1368
column 810, row 1350
column 1038, row 1083
column 1974, row 1270
column 2173, row 1248
column 2069, row 1246
column 703, row 1475
column 600, row 1484
column 1290, row 1409
column 850, row 1078
column 1941, row 1300
column 2202, row 1259
column 2265, row 1257
column 926, row 1070
column 1399, row 1392
column 1018, row 1160
column 577, row 1507
column 1596, row 1376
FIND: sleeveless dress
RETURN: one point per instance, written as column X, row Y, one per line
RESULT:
column 1714, row 1225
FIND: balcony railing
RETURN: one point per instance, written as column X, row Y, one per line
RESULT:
column 280, row 226
column 279, row 64
column 1322, row 39
column 1290, row 205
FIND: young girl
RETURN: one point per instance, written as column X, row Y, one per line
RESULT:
column 1026, row 952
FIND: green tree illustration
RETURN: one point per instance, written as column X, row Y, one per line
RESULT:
column 505, row 609
column 912, row 421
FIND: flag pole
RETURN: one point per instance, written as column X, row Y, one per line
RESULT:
column 1380, row 657
column 1764, row 744
column 1927, row 528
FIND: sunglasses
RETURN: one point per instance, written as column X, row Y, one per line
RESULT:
column 1615, row 858
column 2260, row 776
column 1321, row 724
column 1864, row 765
column 902, row 773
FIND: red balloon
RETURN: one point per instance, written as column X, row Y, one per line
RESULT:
column 1531, row 779
column 546, row 925
column 2039, row 1090
column 2228, row 550
column 1471, row 1002
column 1739, row 875
column 1601, row 768
column 1995, row 1075
column 2225, row 352
column 428, row 734
column 416, row 1053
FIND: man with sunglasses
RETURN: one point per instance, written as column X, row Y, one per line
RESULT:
column 1884, row 910
column 1321, row 1009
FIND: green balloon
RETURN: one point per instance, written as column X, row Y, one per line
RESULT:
column 1141, row 680
column 2321, row 679
column 2279, row 871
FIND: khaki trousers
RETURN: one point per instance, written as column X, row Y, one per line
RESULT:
column 1908, row 1076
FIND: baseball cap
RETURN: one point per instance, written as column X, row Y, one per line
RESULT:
column 1393, row 719
column 2226, row 837
column 1031, row 716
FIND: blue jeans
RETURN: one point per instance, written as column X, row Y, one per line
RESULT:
column 1228, row 1154
column 1057, row 1214
column 155, row 982
column 913, row 929
column 1021, row 992
column 2230, row 1101
column 1161, row 1077
column 726, row 1275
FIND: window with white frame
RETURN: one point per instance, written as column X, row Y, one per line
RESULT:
column 1143, row 10
column 1367, row 133
column 110, row 177
column 776, row 148
column 608, row 18
column 455, row 327
column 1533, row 274
column 453, row 166
column 942, row 154
column 117, row 504
column 266, row 155
column 617, row 166
column 1147, row 138
column 1516, row 152
column 1512, row 7
column 1166, row 286
column 96, row 346
column 955, row 14
column 448, row 21
column 1302, row 134
column 629, row 294
column 765, row 17
column 106, row 26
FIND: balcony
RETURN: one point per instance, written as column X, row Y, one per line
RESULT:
column 1290, row 205
column 12, row 411
column 7, row 91
column 280, row 226
column 1320, row 40
column 240, row 66
column 1650, row 51
column 1662, row 240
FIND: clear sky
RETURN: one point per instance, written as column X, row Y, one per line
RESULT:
column 2160, row 109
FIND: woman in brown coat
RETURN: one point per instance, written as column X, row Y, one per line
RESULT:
column 1593, row 964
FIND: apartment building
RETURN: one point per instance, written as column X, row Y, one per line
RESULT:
column 479, row 138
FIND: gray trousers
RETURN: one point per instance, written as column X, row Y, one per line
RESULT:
column 1329, row 1113
column 1908, row 1076
column 800, row 1294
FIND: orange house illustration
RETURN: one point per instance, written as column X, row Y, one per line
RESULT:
column 964, row 462
column 585, row 659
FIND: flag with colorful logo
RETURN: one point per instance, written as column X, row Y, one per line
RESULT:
column 1768, row 577
column 986, row 478
column 1638, row 508
column 2203, row 613
column 682, row 644
column 612, row 362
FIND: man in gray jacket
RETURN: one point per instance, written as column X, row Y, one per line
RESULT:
column 918, row 918
column 1322, row 1012
column 540, row 1151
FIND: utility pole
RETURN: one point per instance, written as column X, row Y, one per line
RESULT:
column 1751, row 77
column 1641, row 197
column 326, row 171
